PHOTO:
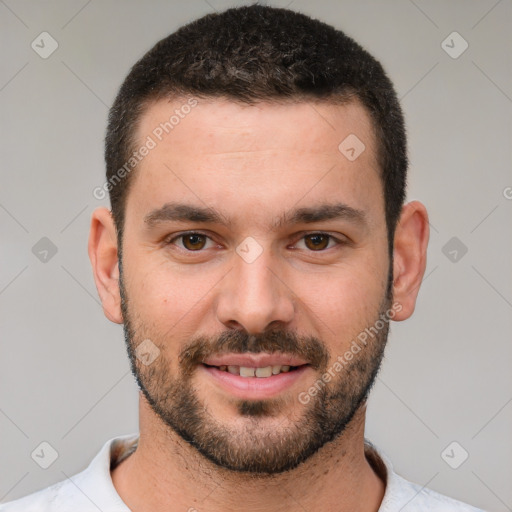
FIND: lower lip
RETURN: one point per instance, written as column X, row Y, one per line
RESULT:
column 255, row 388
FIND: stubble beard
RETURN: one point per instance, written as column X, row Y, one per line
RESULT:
column 267, row 441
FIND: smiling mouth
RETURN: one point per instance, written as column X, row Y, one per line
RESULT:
column 255, row 376
column 255, row 372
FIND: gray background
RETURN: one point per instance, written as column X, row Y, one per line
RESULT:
column 64, row 375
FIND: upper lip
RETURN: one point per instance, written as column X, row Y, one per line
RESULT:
column 254, row 360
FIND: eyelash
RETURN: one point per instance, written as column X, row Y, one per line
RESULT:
column 188, row 233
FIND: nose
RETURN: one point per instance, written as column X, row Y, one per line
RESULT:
column 253, row 296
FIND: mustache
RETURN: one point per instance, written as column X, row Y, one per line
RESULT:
column 306, row 347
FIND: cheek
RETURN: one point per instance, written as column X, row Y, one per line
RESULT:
column 168, row 300
column 345, row 302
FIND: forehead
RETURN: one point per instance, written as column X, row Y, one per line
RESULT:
column 221, row 125
column 219, row 151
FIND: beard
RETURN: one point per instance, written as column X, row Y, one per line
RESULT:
column 264, row 442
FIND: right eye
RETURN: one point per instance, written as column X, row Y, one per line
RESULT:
column 191, row 241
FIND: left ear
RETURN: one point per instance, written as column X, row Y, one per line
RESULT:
column 409, row 257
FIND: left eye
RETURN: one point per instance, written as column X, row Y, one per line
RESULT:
column 192, row 241
column 317, row 241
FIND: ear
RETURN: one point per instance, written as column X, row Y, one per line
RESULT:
column 103, row 254
column 409, row 257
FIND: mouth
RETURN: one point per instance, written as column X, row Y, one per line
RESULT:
column 254, row 376
column 263, row 372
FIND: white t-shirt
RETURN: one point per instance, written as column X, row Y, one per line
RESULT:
column 93, row 490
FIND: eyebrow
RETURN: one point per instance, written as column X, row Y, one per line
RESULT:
column 307, row 215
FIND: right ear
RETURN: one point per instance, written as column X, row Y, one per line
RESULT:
column 103, row 254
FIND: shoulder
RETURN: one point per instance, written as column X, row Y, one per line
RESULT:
column 411, row 497
column 405, row 496
column 49, row 499
column 88, row 491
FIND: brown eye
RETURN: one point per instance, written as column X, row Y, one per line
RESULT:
column 316, row 242
column 194, row 241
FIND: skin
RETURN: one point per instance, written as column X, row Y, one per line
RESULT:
column 253, row 163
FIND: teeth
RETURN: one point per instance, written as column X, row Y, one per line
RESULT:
column 247, row 372
column 266, row 371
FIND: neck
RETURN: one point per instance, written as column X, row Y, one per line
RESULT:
column 166, row 473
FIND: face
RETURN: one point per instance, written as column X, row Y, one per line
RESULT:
column 254, row 258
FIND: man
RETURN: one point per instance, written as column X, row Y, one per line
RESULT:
column 257, row 247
